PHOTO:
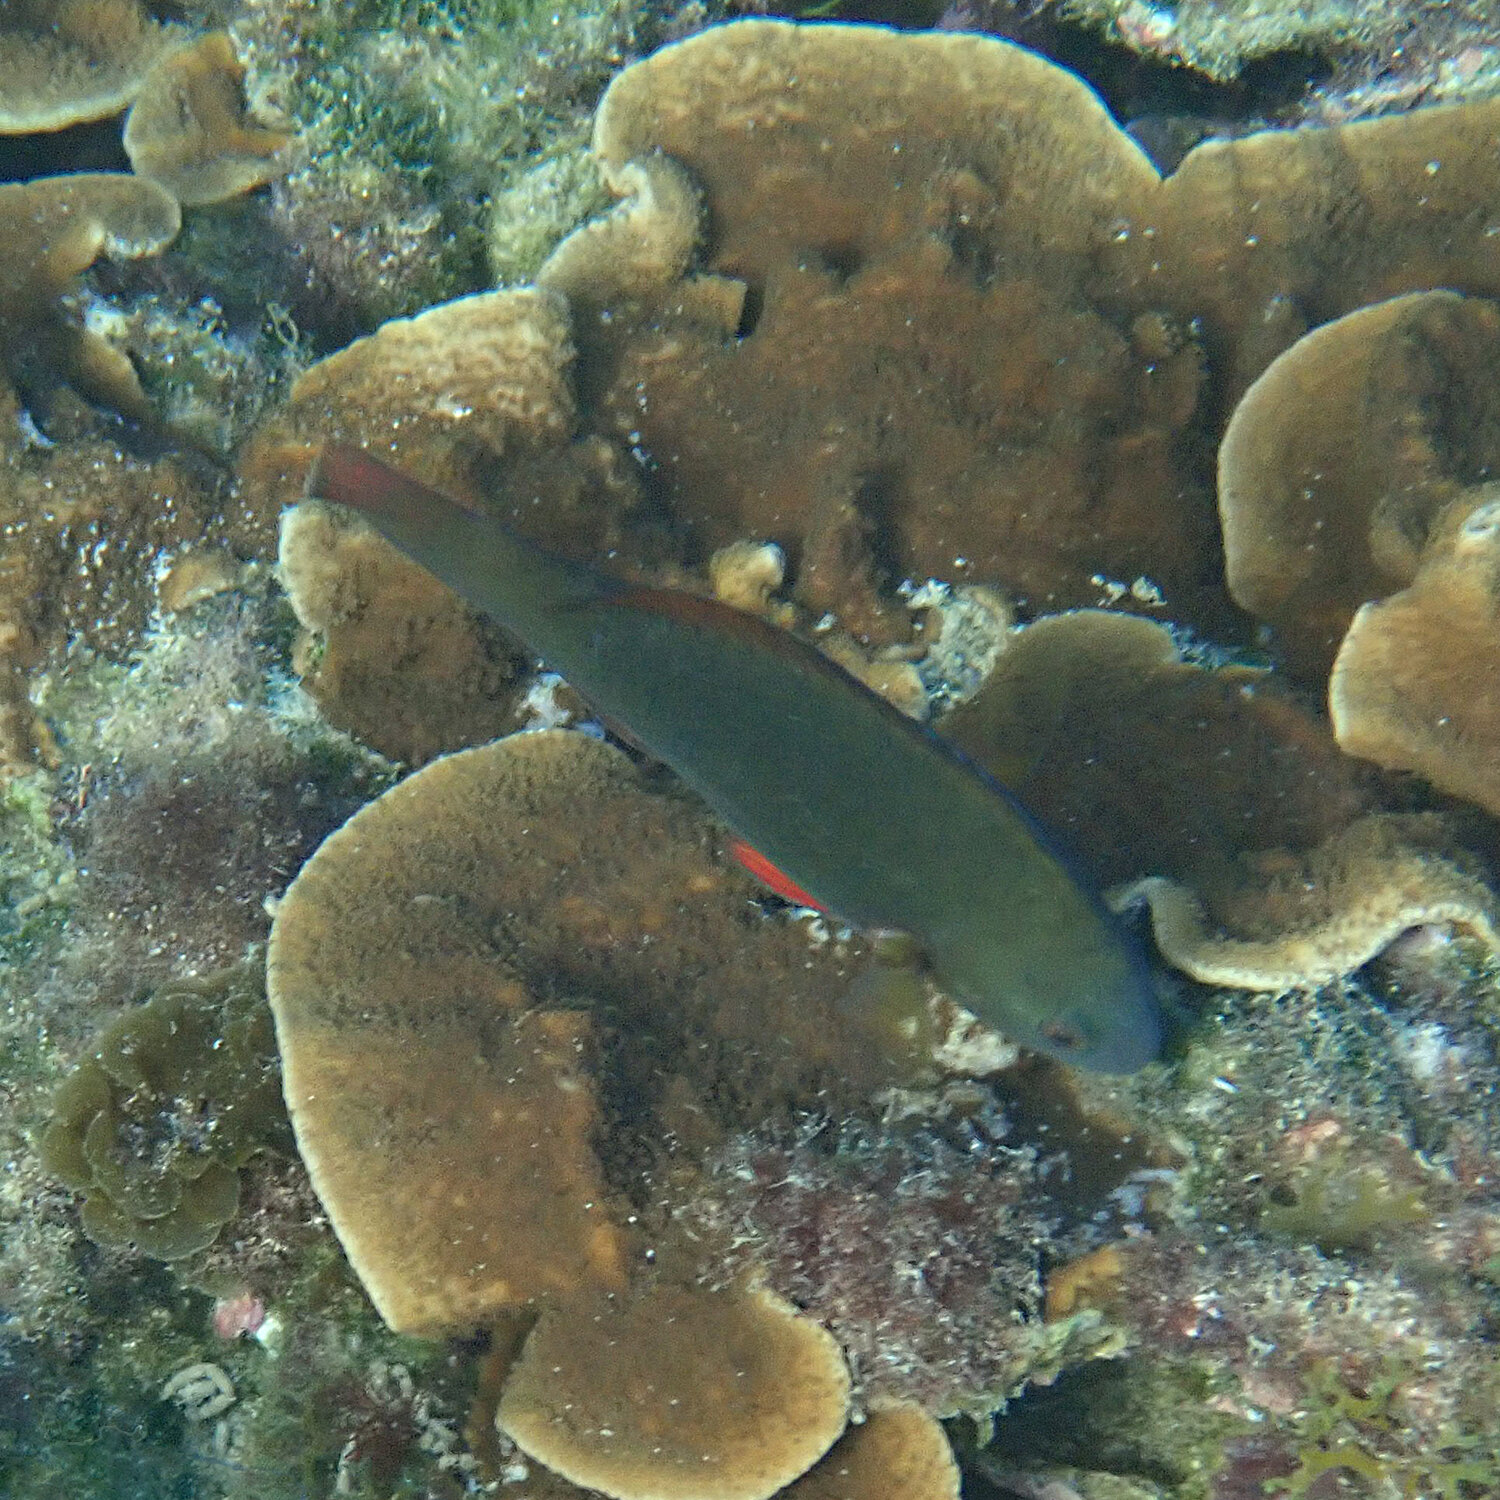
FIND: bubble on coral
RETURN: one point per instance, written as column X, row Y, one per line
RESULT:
column 189, row 128
column 678, row 1394
column 175, row 1097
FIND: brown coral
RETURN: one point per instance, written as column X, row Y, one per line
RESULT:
column 189, row 128
column 1161, row 765
column 478, row 959
column 1416, row 685
column 1008, row 318
column 897, row 1453
column 388, row 653
column 475, row 396
column 1267, row 235
column 471, row 394
column 59, row 227
column 176, row 1095
column 1339, row 458
column 932, row 280
column 678, row 1395
column 1327, row 913
column 1267, row 867
column 65, row 61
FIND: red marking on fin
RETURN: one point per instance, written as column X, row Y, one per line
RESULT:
column 768, row 875
column 349, row 476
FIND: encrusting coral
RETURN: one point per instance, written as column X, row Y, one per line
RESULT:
column 64, row 61
column 678, row 1394
column 896, row 1453
column 476, row 396
column 176, row 1095
column 933, row 280
column 190, row 131
column 386, row 652
column 1324, row 915
column 1017, row 329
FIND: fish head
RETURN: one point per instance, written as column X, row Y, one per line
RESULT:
column 1089, row 1003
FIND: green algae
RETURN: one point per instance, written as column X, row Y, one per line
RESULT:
column 1363, row 1433
column 34, row 872
column 176, row 1095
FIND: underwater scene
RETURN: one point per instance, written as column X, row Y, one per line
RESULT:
column 750, row 750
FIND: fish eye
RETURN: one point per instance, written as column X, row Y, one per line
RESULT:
column 1063, row 1035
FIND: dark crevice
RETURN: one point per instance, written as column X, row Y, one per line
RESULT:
column 95, row 147
column 750, row 311
column 1267, row 90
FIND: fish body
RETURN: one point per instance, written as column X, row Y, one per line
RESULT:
column 875, row 816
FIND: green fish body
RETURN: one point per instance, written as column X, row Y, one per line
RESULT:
column 878, row 818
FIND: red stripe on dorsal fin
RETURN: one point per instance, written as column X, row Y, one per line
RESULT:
column 768, row 875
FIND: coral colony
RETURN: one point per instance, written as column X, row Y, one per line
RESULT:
column 411, row 1087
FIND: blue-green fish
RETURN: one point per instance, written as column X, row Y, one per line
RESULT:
column 877, row 818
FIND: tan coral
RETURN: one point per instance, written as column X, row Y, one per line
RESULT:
column 678, row 1395
column 1340, row 456
column 474, row 397
column 438, row 971
column 962, row 313
column 1216, row 797
column 66, row 61
column 59, row 226
column 1416, row 685
column 641, row 245
column 894, row 326
column 1269, row 234
column 1150, row 763
column 896, row 1453
column 189, row 128
column 1328, row 914
column 387, row 653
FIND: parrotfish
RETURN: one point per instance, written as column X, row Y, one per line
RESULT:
column 866, row 813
